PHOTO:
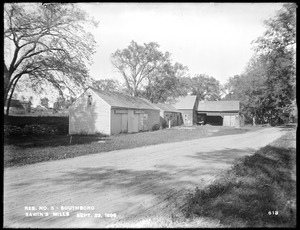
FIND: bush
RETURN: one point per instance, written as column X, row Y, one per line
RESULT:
column 35, row 129
column 164, row 124
column 155, row 127
column 21, row 121
column 11, row 130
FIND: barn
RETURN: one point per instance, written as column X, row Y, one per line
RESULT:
column 97, row 111
column 170, row 113
column 224, row 113
column 188, row 107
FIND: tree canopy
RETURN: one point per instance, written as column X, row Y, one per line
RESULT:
column 166, row 82
column 107, row 84
column 150, row 73
column 267, row 87
column 48, row 43
column 205, row 87
column 137, row 62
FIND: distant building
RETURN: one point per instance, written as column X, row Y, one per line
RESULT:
column 98, row 111
column 224, row 113
column 170, row 113
column 188, row 107
column 15, row 107
column 26, row 105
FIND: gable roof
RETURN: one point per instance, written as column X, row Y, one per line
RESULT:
column 186, row 102
column 167, row 107
column 116, row 99
column 219, row 106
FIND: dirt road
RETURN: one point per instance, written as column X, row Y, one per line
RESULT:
column 119, row 185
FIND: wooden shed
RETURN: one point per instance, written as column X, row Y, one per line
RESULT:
column 109, row 113
column 224, row 113
column 170, row 113
column 188, row 107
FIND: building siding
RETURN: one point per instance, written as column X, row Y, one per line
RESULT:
column 151, row 117
column 187, row 116
column 173, row 116
column 89, row 119
column 132, row 120
column 91, row 114
column 116, row 122
column 231, row 120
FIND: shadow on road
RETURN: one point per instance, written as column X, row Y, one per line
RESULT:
column 129, row 190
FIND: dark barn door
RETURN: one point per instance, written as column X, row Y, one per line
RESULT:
column 214, row 120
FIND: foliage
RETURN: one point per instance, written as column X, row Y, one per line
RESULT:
column 149, row 72
column 163, row 123
column 46, row 43
column 165, row 82
column 254, row 186
column 205, row 87
column 21, row 121
column 155, row 127
column 45, row 102
column 267, row 87
column 107, row 85
column 137, row 62
column 35, row 130
column 62, row 103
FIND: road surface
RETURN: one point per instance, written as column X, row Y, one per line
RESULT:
column 120, row 185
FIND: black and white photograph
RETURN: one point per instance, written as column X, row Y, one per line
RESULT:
column 149, row 115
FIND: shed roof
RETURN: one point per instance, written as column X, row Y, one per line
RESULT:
column 167, row 107
column 186, row 102
column 116, row 99
column 219, row 106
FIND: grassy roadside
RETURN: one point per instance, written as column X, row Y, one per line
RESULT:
column 258, row 191
column 24, row 150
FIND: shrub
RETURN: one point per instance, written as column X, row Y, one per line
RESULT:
column 164, row 124
column 35, row 129
column 11, row 130
column 155, row 127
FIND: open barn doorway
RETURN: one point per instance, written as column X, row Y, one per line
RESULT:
column 203, row 118
column 214, row 120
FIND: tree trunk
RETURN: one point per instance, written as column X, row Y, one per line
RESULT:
column 7, row 86
column 8, row 103
column 134, row 91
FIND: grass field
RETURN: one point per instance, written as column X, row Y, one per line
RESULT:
column 32, row 149
column 258, row 191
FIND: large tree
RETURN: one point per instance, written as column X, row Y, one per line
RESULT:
column 44, row 102
column 205, row 87
column 267, row 87
column 166, row 82
column 47, row 43
column 137, row 62
column 276, row 52
column 107, row 84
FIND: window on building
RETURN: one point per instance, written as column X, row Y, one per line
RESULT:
column 89, row 102
column 145, row 116
column 185, row 115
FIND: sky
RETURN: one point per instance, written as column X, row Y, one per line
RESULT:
column 209, row 38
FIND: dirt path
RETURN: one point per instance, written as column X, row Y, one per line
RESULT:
column 121, row 184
